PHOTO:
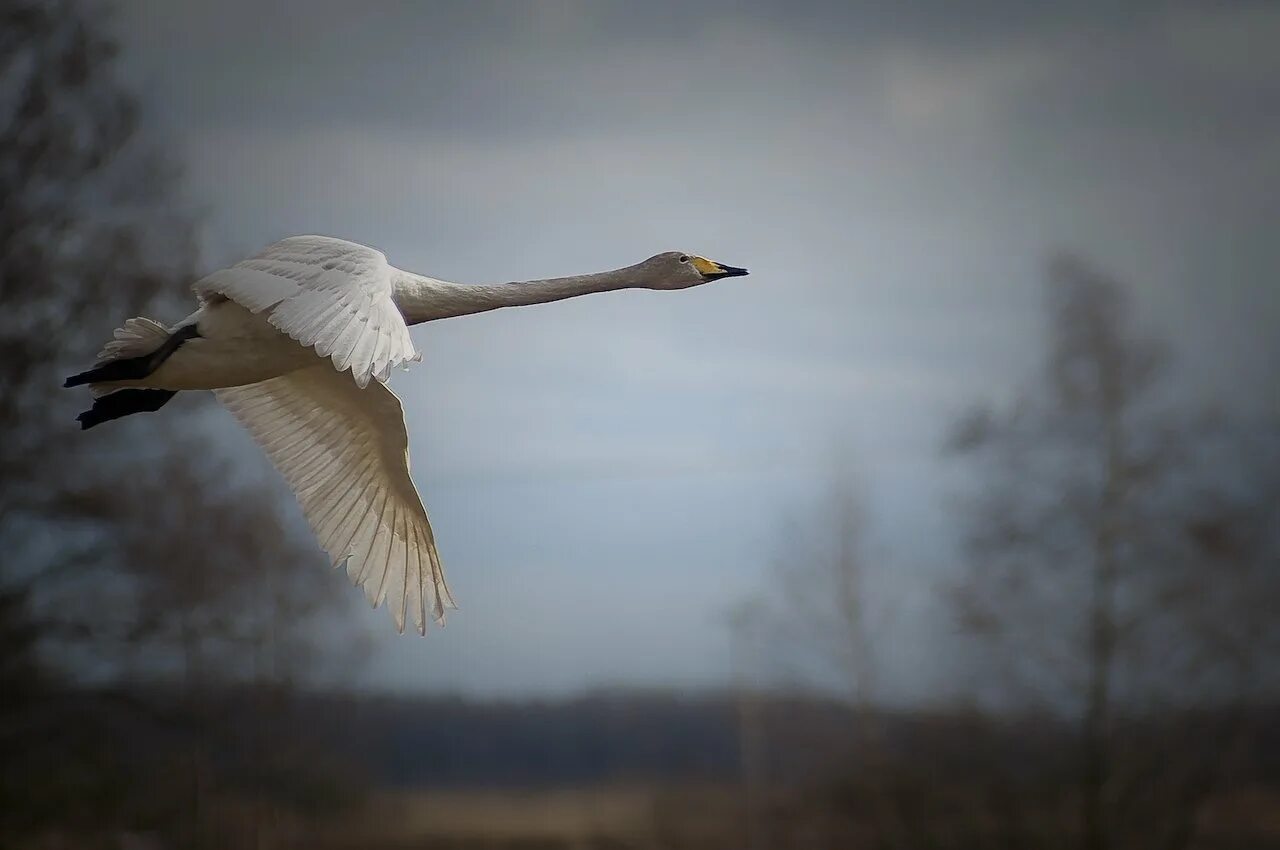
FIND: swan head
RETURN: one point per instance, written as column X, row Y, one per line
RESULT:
column 678, row 270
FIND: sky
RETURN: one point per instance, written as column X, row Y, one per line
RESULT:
column 608, row 476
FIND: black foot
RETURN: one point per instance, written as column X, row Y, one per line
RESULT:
column 122, row 403
column 128, row 369
column 134, row 368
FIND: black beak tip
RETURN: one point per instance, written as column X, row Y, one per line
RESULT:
column 733, row 271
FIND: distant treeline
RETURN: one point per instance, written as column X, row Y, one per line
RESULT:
column 618, row 737
column 409, row 741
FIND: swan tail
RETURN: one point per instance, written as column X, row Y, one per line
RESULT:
column 137, row 337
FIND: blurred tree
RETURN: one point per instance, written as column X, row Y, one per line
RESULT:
column 130, row 550
column 828, row 601
column 817, row 628
column 148, row 519
column 1118, row 569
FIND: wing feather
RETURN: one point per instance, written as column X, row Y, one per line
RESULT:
column 344, row 453
column 326, row 293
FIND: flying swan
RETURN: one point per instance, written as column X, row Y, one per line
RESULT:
column 298, row 342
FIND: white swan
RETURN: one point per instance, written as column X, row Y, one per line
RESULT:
column 274, row 338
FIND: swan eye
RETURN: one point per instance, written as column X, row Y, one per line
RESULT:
column 684, row 258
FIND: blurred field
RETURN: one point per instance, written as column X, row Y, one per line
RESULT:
column 677, row 817
column 632, row 815
column 564, row 817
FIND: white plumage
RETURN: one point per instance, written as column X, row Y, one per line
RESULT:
column 274, row 338
column 341, row 447
column 344, row 452
column 328, row 294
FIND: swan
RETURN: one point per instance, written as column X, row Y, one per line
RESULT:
column 298, row 342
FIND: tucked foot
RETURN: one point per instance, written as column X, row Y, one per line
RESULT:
column 122, row 403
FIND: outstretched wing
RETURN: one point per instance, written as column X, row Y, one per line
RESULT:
column 345, row 453
column 327, row 293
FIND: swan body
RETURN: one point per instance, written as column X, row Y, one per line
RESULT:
column 234, row 346
column 297, row 342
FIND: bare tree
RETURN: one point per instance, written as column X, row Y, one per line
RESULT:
column 140, row 520
column 825, row 607
column 1098, row 544
column 132, row 550
column 824, row 604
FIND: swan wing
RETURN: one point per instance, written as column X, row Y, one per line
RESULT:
column 330, row 294
column 344, row 452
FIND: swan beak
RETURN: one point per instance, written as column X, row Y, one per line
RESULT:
column 714, row 271
column 731, row 271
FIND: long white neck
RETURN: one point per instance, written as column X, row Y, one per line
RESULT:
column 423, row 299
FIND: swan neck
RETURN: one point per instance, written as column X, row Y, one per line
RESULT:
column 423, row 299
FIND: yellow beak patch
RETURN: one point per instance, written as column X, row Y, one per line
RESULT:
column 705, row 266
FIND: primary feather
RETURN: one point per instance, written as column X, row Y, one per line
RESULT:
column 344, row 452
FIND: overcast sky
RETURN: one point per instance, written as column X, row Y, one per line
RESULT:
column 607, row 475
